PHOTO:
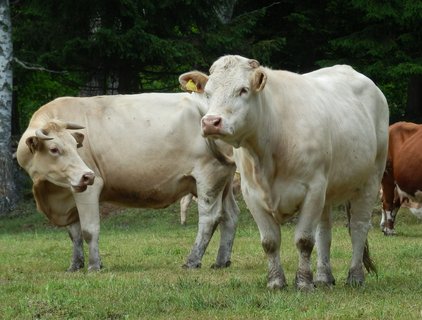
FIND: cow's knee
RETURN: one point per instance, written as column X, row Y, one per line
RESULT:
column 270, row 246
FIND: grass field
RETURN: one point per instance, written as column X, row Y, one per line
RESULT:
column 143, row 251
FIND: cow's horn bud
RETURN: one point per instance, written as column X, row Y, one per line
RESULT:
column 73, row 126
column 41, row 134
column 254, row 63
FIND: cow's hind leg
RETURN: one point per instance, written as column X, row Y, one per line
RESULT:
column 184, row 205
column 324, row 275
column 227, row 227
column 359, row 224
column 210, row 212
column 75, row 234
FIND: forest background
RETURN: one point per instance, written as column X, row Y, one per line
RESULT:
column 83, row 48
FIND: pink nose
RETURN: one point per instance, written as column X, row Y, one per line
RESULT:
column 87, row 179
column 211, row 124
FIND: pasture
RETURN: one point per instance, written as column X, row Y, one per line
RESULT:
column 143, row 251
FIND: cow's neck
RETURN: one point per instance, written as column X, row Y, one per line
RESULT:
column 262, row 138
column 258, row 150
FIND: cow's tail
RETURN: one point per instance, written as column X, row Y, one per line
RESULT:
column 367, row 260
column 218, row 154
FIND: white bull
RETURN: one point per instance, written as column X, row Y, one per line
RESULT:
column 133, row 150
column 303, row 144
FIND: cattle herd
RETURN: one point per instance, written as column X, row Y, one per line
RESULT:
column 301, row 143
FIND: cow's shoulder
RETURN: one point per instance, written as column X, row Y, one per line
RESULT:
column 401, row 132
column 406, row 127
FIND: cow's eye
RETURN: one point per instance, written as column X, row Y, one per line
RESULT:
column 54, row 150
column 243, row 91
column 207, row 95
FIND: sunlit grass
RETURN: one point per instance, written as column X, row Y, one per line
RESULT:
column 143, row 251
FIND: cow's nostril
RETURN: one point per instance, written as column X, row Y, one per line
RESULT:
column 216, row 122
column 88, row 178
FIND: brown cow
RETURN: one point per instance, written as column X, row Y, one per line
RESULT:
column 402, row 178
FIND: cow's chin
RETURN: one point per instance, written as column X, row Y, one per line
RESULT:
column 223, row 136
column 78, row 189
column 216, row 133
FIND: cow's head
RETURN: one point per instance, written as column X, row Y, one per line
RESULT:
column 231, row 92
column 55, row 157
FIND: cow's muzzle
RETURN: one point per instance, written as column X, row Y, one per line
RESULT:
column 211, row 125
column 86, row 180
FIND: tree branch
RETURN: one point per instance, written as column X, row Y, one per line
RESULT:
column 29, row 66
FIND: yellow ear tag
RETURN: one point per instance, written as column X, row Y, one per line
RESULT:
column 191, row 86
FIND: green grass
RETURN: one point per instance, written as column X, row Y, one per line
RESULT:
column 143, row 251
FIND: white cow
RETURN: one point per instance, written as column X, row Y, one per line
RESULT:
column 133, row 150
column 303, row 144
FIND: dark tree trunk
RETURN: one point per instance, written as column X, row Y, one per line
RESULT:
column 414, row 99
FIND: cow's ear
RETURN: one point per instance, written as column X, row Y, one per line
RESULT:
column 33, row 143
column 79, row 137
column 259, row 79
column 193, row 81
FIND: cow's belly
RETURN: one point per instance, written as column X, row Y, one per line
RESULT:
column 148, row 193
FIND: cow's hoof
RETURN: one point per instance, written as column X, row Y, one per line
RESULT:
column 276, row 280
column 276, row 284
column 303, row 281
column 304, row 286
column 221, row 265
column 324, row 283
column 389, row 232
column 355, row 278
column 76, row 265
column 74, row 268
column 324, row 278
column 95, row 267
column 189, row 265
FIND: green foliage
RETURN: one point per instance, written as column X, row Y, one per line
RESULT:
column 144, row 45
column 38, row 89
column 382, row 40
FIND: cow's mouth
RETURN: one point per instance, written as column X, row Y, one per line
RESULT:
column 214, row 135
column 78, row 189
column 86, row 180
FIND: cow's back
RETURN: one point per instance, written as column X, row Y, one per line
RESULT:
column 338, row 115
column 145, row 147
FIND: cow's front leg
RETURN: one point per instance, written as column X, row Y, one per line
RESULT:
column 269, row 230
column 390, row 217
column 89, row 216
column 75, row 235
column 210, row 212
column 324, row 274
